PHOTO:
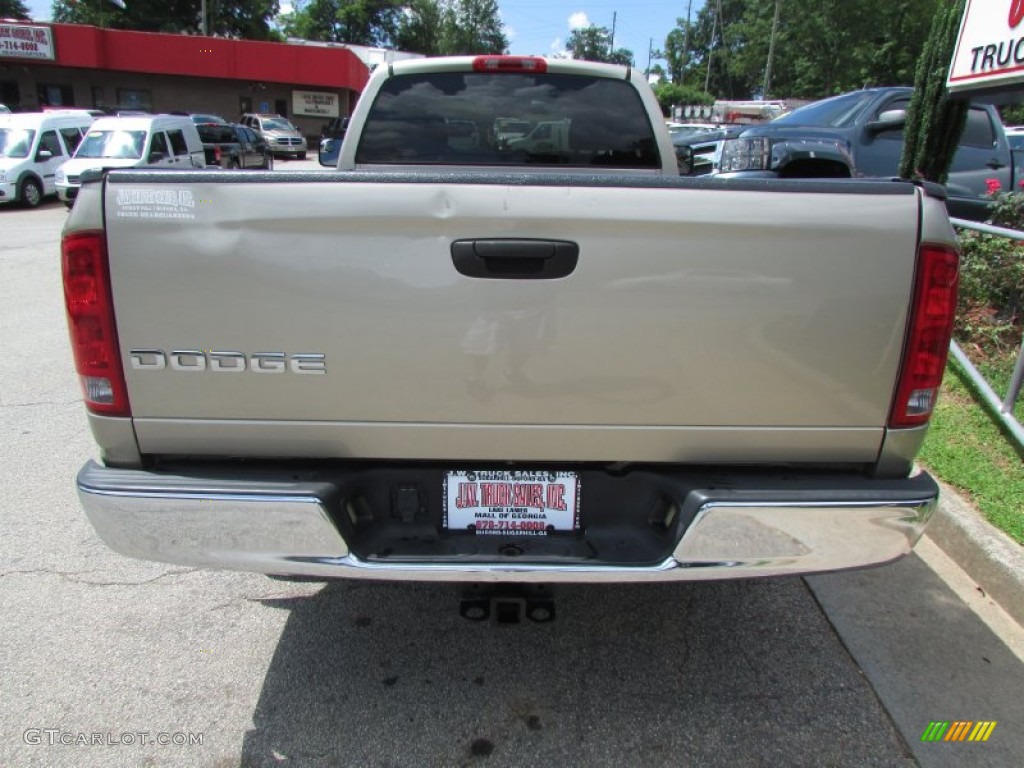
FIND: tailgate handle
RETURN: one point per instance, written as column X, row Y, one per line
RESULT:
column 515, row 258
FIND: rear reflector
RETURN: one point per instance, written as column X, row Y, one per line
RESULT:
column 90, row 310
column 509, row 64
column 931, row 327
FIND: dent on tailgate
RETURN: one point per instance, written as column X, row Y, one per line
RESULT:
column 784, row 326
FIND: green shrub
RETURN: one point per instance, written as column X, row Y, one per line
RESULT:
column 992, row 282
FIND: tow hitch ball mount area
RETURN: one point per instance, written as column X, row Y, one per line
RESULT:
column 508, row 603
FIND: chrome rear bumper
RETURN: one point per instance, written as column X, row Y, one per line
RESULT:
column 287, row 528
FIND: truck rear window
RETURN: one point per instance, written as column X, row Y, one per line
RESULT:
column 466, row 118
column 210, row 133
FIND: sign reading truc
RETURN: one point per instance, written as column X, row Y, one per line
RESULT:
column 990, row 48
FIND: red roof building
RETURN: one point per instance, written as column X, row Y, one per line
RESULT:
column 71, row 65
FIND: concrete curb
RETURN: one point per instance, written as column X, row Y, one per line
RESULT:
column 990, row 557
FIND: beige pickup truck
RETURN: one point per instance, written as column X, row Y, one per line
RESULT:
column 459, row 361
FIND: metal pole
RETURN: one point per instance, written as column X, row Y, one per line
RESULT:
column 611, row 43
column 686, row 44
column 711, row 48
column 988, row 395
column 202, row 17
column 771, row 53
column 1015, row 382
column 650, row 53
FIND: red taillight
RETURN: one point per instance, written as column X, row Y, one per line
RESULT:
column 509, row 64
column 931, row 327
column 216, row 155
column 87, row 298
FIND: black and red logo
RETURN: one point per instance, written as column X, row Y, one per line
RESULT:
column 1016, row 13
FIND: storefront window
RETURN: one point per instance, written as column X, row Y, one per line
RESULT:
column 56, row 95
column 10, row 94
column 134, row 98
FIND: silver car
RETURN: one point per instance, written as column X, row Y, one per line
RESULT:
column 282, row 136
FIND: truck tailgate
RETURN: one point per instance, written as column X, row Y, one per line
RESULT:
column 700, row 323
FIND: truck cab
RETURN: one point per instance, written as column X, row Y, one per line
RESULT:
column 860, row 134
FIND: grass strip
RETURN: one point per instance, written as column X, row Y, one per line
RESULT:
column 967, row 449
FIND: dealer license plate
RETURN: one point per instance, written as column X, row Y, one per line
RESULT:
column 506, row 502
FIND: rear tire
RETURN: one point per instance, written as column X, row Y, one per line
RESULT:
column 300, row 156
column 31, row 194
column 268, row 162
column 233, row 165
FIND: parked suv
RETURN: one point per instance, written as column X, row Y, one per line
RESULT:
column 283, row 137
column 234, row 146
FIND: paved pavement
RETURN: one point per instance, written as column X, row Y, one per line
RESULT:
column 928, row 657
column 993, row 559
column 845, row 669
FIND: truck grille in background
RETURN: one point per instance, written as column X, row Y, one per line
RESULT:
column 288, row 142
column 705, row 157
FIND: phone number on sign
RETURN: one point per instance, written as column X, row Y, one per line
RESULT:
column 11, row 45
column 527, row 527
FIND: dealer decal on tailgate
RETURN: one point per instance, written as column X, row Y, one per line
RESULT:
column 512, row 502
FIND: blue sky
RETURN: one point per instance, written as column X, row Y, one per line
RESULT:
column 542, row 26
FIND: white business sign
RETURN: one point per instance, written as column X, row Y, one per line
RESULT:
column 23, row 41
column 314, row 103
column 990, row 49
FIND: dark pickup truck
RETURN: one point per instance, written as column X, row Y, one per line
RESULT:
column 860, row 134
column 234, row 146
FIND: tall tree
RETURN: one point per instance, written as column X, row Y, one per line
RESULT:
column 476, row 27
column 14, row 9
column 248, row 19
column 622, row 56
column 594, row 43
column 450, row 27
column 934, row 121
column 422, row 28
column 675, row 53
column 359, row 22
column 716, row 39
column 822, row 46
column 368, row 22
column 589, row 43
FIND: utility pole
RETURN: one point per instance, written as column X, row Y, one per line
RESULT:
column 711, row 46
column 611, row 43
column 771, row 53
column 686, row 43
column 202, row 17
column 650, row 54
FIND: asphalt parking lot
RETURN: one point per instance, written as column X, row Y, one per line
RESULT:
column 105, row 658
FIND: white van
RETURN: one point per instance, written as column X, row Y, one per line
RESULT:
column 152, row 141
column 33, row 145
